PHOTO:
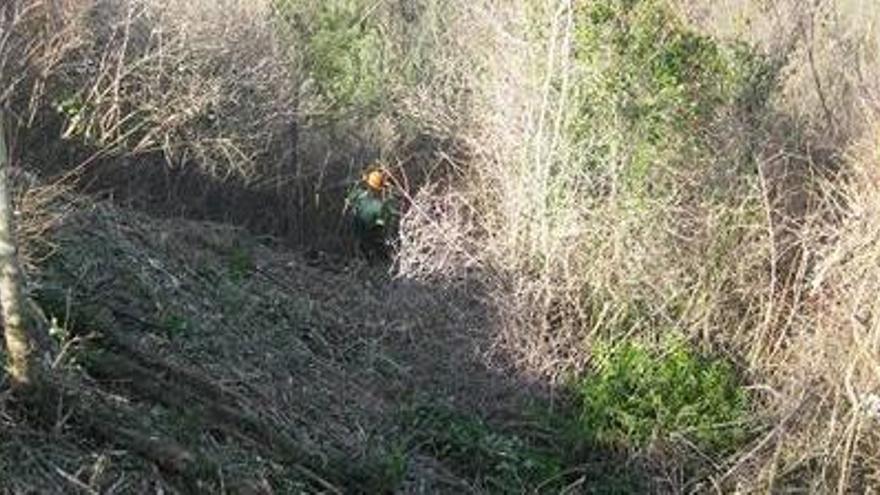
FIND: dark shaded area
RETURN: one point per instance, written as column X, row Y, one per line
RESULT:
column 298, row 196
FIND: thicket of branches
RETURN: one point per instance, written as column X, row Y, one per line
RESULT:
column 645, row 169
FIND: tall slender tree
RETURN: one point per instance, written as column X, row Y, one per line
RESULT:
column 24, row 366
column 26, row 41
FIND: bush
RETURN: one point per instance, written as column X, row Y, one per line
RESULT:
column 342, row 52
column 659, row 83
column 638, row 396
column 597, row 184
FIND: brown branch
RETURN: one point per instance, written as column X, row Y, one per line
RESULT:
column 809, row 39
column 153, row 379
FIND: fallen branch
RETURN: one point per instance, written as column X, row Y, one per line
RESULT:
column 93, row 418
column 150, row 378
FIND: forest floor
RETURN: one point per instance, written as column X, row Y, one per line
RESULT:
column 280, row 372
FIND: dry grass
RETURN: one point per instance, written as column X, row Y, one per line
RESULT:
column 203, row 83
column 40, row 208
column 223, row 90
column 825, row 362
column 817, row 347
column 779, row 275
column 829, row 79
column 567, row 250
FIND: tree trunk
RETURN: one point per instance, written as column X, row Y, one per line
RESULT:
column 24, row 364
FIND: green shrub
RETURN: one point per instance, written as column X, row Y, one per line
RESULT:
column 637, row 395
column 175, row 325
column 341, row 51
column 241, row 263
column 655, row 84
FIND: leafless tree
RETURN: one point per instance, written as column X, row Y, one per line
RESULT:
column 28, row 46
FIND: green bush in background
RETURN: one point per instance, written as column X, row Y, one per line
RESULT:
column 656, row 85
column 346, row 55
column 340, row 49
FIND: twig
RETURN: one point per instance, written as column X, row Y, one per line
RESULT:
column 74, row 481
column 809, row 40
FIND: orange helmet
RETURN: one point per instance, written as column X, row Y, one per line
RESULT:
column 375, row 180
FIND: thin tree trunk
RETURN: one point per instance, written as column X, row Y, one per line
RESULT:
column 24, row 363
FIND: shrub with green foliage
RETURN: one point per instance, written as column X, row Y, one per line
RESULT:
column 241, row 262
column 341, row 49
column 638, row 395
column 655, row 84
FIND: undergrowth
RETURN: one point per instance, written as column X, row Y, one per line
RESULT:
column 619, row 168
column 659, row 85
column 547, row 452
column 500, row 462
column 241, row 262
column 342, row 52
column 638, row 396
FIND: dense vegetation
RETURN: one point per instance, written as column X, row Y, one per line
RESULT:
column 667, row 208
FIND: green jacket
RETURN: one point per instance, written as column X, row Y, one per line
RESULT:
column 374, row 215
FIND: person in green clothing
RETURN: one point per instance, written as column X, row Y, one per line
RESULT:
column 374, row 212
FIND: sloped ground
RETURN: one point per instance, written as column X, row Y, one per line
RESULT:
column 377, row 385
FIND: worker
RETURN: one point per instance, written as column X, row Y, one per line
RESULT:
column 374, row 212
